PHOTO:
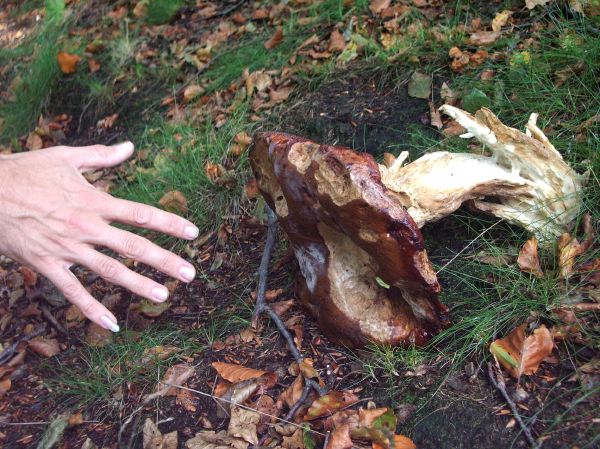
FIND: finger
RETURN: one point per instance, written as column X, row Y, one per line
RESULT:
column 143, row 250
column 97, row 156
column 136, row 214
column 70, row 286
column 115, row 272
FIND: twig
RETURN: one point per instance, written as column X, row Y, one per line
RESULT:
column 300, row 402
column 51, row 318
column 7, row 354
column 498, row 382
column 326, row 442
column 230, row 9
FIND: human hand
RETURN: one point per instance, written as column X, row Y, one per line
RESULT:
column 51, row 218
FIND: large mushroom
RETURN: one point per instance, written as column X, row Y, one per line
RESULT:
column 365, row 272
column 354, row 225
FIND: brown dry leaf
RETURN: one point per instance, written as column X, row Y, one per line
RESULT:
column 569, row 247
column 153, row 309
column 243, row 138
column 175, row 375
column 209, row 439
column 186, row 399
column 154, row 439
column 400, row 442
column 330, row 403
column 453, row 128
column 563, row 75
column 236, row 373
column 435, row 118
column 174, row 201
column 520, row 354
column 107, row 122
column 494, row 259
column 34, row 142
column 487, row 75
column 501, row 19
column 97, row 336
column 251, row 189
column 377, row 6
column 294, row 441
column 29, row 276
column 281, row 307
column 529, row 260
column 533, row 3
column 160, row 352
column 275, row 39
column 280, row 94
column 45, row 347
column 478, row 57
column 336, row 42
column 243, row 424
column 140, row 9
column 192, row 92
column 484, row 37
column 339, row 438
column 93, row 65
column 307, row 369
column 76, row 419
column 292, row 394
column 67, row 62
column 5, row 385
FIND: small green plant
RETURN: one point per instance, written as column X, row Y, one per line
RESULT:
column 162, row 11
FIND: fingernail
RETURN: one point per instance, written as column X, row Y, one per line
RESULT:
column 123, row 146
column 191, row 232
column 160, row 293
column 188, row 273
column 109, row 324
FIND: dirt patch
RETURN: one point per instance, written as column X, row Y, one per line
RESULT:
column 362, row 112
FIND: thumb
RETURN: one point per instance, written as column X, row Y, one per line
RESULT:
column 99, row 156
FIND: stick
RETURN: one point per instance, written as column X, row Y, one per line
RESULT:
column 7, row 354
column 498, row 382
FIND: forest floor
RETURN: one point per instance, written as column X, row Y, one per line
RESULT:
column 188, row 82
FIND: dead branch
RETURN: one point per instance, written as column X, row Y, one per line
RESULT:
column 498, row 382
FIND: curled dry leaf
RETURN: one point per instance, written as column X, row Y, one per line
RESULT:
column 275, row 39
column 339, row 438
column 97, row 336
column 520, row 354
column 243, row 424
column 67, row 62
column 292, row 394
column 377, row 6
column 330, row 403
column 529, row 260
column 208, row 439
column 336, row 42
column 400, row 442
column 176, row 375
column 569, row 247
column 154, row 439
column 46, row 347
column 174, row 201
column 192, row 92
column 236, row 373
column 5, row 385
column 501, row 19
column 484, row 37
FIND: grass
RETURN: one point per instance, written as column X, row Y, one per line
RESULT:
column 36, row 83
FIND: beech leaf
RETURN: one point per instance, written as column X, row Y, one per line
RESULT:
column 529, row 260
column 236, row 373
column 45, row 347
column 520, row 354
column 275, row 39
column 175, row 375
column 67, row 62
column 330, row 403
column 174, row 201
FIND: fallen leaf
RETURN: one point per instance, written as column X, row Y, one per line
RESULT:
column 563, row 75
column 236, row 373
column 67, row 62
column 275, row 39
column 533, row 3
column 339, row 438
column 280, row 94
column 93, row 65
column 528, row 259
column 330, row 403
column 209, row 439
column 501, row 19
column 175, row 375
column 174, row 201
column 192, row 92
column 243, row 424
column 484, row 37
column 33, row 142
column 153, row 309
column 97, row 336
column 54, row 432
column 435, row 118
column 46, row 347
column 494, row 259
column 377, row 6
column 160, row 352
column 186, row 399
column 400, row 442
column 5, row 385
column 520, row 354
column 154, row 439
column 419, row 85
column 336, row 42
column 292, row 394
column 569, row 247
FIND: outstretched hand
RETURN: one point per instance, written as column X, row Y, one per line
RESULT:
column 51, row 218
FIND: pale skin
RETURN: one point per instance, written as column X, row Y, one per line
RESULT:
column 51, row 218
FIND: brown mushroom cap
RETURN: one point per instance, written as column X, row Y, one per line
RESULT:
column 349, row 233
